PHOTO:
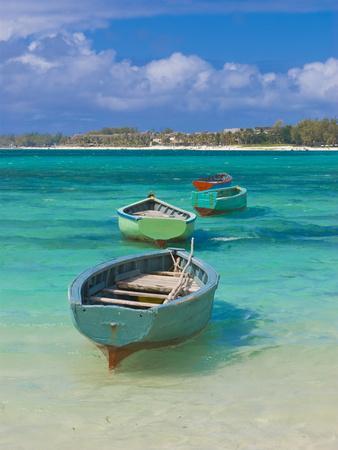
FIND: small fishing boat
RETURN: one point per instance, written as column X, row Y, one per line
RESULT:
column 143, row 301
column 152, row 219
column 219, row 201
column 213, row 182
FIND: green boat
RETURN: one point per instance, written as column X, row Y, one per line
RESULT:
column 143, row 301
column 219, row 201
column 154, row 220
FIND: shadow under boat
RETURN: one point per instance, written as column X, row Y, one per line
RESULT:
column 248, row 212
column 222, row 342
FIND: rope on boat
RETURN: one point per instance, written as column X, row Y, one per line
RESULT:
column 175, row 261
column 184, row 277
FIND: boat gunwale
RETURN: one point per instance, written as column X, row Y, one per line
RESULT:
column 121, row 211
column 75, row 288
column 242, row 191
column 227, row 178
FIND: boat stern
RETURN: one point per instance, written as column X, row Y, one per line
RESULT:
column 113, row 326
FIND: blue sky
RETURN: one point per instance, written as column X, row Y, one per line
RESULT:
column 189, row 65
column 275, row 41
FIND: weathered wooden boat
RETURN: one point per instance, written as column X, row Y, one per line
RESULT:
column 219, row 201
column 143, row 301
column 152, row 219
column 216, row 181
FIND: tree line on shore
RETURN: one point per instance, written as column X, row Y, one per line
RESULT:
column 312, row 133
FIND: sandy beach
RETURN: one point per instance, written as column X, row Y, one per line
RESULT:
column 281, row 148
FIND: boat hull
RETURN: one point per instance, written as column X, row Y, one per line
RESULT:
column 119, row 331
column 152, row 219
column 146, row 229
column 217, row 202
column 123, row 327
column 207, row 185
column 217, row 181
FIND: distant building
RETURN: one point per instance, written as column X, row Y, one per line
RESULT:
column 231, row 130
column 262, row 129
column 157, row 141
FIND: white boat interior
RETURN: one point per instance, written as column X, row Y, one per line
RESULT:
column 152, row 207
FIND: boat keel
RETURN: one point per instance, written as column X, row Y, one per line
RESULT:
column 115, row 355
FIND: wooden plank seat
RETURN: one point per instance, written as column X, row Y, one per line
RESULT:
column 166, row 273
column 153, row 283
column 133, row 293
column 121, row 302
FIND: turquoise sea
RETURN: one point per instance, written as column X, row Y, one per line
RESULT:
column 264, row 373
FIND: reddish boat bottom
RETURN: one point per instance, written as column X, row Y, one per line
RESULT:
column 213, row 212
column 115, row 355
column 206, row 185
column 160, row 243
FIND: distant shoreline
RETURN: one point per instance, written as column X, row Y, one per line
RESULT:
column 194, row 148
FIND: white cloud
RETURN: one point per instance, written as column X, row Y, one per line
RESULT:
column 174, row 72
column 34, row 61
column 61, row 73
column 26, row 17
column 317, row 80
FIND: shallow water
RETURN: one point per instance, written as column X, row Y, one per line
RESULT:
column 264, row 373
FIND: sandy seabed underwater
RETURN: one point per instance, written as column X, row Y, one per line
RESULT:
column 264, row 373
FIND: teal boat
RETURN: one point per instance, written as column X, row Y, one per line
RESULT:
column 143, row 301
column 152, row 219
column 219, row 201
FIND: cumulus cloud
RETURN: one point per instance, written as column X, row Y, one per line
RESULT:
column 61, row 76
column 317, row 80
column 26, row 17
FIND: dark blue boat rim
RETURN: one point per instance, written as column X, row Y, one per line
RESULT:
column 74, row 291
